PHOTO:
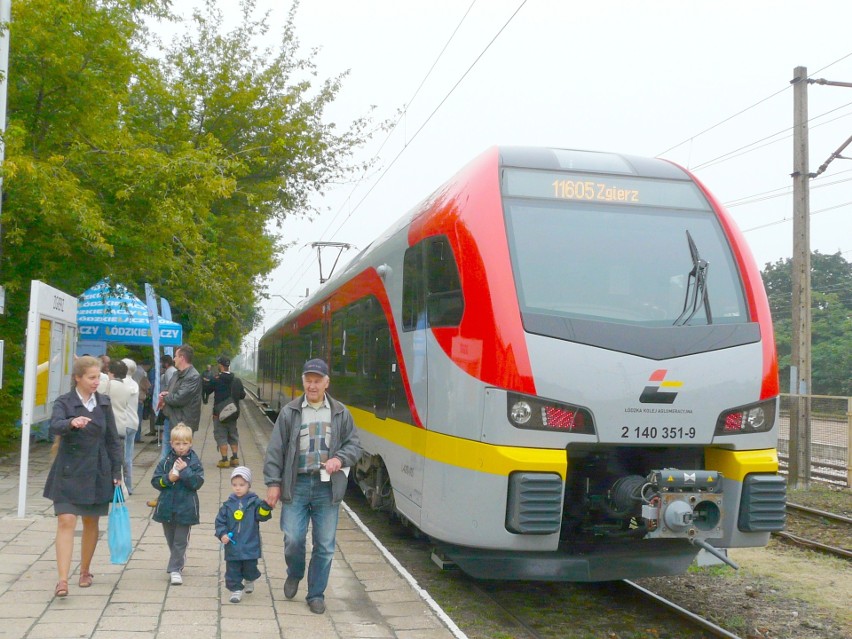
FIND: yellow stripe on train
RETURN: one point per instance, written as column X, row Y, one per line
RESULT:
column 462, row 453
column 736, row 464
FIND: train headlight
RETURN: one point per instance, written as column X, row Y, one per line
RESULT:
column 753, row 418
column 520, row 412
column 535, row 413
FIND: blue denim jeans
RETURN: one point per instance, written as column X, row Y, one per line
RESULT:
column 129, row 443
column 311, row 502
column 167, row 442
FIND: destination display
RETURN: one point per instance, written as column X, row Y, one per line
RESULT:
column 610, row 189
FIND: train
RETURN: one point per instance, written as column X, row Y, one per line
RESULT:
column 561, row 365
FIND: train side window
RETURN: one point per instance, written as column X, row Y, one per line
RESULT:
column 444, row 299
column 338, row 348
column 413, row 306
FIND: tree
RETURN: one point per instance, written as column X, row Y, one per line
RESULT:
column 171, row 171
column 831, row 320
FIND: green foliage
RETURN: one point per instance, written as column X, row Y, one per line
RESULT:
column 169, row 170
column 831, row 321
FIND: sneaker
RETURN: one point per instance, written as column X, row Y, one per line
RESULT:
column 235, row 461
column 236, row 596
column 223, row 463
column 317, row 606
column 176, row 579
column 249, row 587
column 291, row 587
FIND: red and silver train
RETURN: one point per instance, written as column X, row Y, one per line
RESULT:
column 561, row 365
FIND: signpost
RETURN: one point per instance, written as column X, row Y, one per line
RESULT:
column 48, row 363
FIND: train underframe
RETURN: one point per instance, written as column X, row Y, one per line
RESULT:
column 625, row 512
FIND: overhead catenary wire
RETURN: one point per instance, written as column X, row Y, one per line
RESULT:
column 748, row 108
column 790, row 219
column 774, row 193
column 730, row 155
column 303, row 267
column 416, row 133
column 748, row 148
column 407, row 105
column 431, row 115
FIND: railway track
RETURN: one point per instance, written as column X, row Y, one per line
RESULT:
column 509, row 599
column 834, row 526
column 535, row 610
column 642, row 595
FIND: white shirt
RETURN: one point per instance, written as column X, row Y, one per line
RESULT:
column 88, row 404
column 124, row 395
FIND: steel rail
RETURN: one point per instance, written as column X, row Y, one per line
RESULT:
column 820, row 513
column 706, row 624
column 517, row 620
column 810, row 543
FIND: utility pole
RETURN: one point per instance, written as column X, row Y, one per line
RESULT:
column 800, row 360
column 6, row 26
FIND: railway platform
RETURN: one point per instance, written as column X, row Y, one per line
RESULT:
column 368, row 596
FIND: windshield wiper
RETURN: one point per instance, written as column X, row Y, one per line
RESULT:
column 696, row 288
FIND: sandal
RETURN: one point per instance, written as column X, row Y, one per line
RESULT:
column 61, row 588
column 85, row 579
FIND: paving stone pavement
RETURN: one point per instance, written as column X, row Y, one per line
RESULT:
column 366, row 597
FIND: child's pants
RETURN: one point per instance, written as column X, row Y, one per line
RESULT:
column 177, row 536
column 236, row 571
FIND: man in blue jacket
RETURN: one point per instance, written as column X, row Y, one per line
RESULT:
column 312, row 446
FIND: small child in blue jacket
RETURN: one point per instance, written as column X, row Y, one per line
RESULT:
column 178, row 477
column 238, row 528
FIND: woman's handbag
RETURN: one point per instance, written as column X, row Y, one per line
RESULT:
column 118, row 529
column 226, row 410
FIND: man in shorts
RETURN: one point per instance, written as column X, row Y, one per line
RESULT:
column 223, row 386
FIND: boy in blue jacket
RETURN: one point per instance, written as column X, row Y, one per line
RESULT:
column 238, row 528
column 178, row 477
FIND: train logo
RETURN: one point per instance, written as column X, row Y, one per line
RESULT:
column 653, row 394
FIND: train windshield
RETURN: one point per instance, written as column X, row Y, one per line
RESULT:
column 625, row 250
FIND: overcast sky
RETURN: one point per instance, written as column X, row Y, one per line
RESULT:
column 645, row 78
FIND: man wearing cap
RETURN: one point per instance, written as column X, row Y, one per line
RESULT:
column 225, row 385
column 313, row 444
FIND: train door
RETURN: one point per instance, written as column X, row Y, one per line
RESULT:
column 383, row 361
column 414, row 328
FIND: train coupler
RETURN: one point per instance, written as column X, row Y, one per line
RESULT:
column 683, row 504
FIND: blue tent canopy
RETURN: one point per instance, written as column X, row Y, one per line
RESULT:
column 114, row 314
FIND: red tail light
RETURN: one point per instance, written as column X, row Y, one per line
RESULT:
column 559, row 418
column 733, row 422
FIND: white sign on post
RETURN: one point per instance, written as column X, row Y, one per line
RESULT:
column 48, row 362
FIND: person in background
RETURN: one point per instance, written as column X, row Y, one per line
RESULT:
column 207, row 382
column 150, row 373
column 178, row 478
column 313, row 438
column 167, row 373
column 224, row 386
column 181, row 401
column 85, row 469
column 140, row 376
column 123, row 393
column 167, row 370
column 104, row 374
column 238, row 528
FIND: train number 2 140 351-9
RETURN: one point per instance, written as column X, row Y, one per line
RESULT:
column 653, row 432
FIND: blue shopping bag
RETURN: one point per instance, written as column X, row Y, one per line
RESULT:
column 118, row 529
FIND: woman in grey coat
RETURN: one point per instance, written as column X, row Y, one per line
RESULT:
column 85, row 470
